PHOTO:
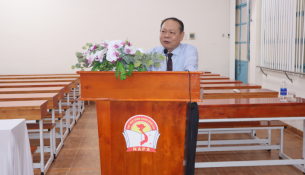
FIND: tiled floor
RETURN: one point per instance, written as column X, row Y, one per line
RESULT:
column 80, row 154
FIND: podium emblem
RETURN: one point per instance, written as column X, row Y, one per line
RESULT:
column 141, row 134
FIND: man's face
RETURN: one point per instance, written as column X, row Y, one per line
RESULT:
column 170, row 36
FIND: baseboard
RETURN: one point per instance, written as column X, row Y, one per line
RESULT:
column 294, row 131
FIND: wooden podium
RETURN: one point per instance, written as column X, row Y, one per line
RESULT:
column 159, row 100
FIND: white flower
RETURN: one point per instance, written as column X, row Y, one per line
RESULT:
column 99, row 55
column 130, row 50
column 117, row 44
column 112, row 54
column 90, row 58
column 141, row 50
column 104, row 43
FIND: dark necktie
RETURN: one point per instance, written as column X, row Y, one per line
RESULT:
column 169, row 62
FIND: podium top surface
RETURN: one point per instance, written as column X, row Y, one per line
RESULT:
column 142, row 86
column 145, row 72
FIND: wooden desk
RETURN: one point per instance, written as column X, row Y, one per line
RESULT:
column 206, row 72
column 214, row 78
column 59, row 90
column 40, row 77
column 66, row 85
column 220, row 81
column 28, row 110
column 52, row 98
column 244, row 93
column 253, row 109
column 229, row 86
column 202, row 75
column 250, row 108
column 73, row 80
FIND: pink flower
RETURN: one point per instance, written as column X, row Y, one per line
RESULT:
column 117, row 44
column 93, row 48
column 99, row 55
column 104, row 43
column 112, row 54
column 90, row 59
column 130, row 50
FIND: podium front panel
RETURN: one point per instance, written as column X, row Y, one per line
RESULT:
column 169, row 157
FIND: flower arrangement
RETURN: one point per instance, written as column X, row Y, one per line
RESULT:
column 119, row 56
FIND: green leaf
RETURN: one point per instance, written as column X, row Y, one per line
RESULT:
column 72, row 67
column 161, row 57
column 81, row 60
column 121, row 52
column 157, row 64
column 137, row 57
column 84, row 47
column 87, row 44
column 137, row 63
column 141, row 69
column 78, row 65
column 128, row 59
column 117, row 71
column 145, row 69
column 130, row 69
column 79, row 55
column 120, row 71
column 96, row 66
column 155, row 56
column 149, row 63
column 138, row 53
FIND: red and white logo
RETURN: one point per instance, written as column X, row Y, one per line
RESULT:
column 141, row 134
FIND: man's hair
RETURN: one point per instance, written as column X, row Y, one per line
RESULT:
column 181, row 26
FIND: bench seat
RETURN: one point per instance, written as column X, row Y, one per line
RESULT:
column 31, row 126
column 247, row 124
column 57, row 114
column 63, row 107
column 70, row 100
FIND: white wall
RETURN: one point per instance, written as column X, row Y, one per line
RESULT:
column 42, row 36
column 273, row 79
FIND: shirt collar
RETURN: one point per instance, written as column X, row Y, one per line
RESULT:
column 176, row 51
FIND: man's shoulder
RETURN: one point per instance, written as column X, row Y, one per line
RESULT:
column 156, row 49
column 188, row 46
